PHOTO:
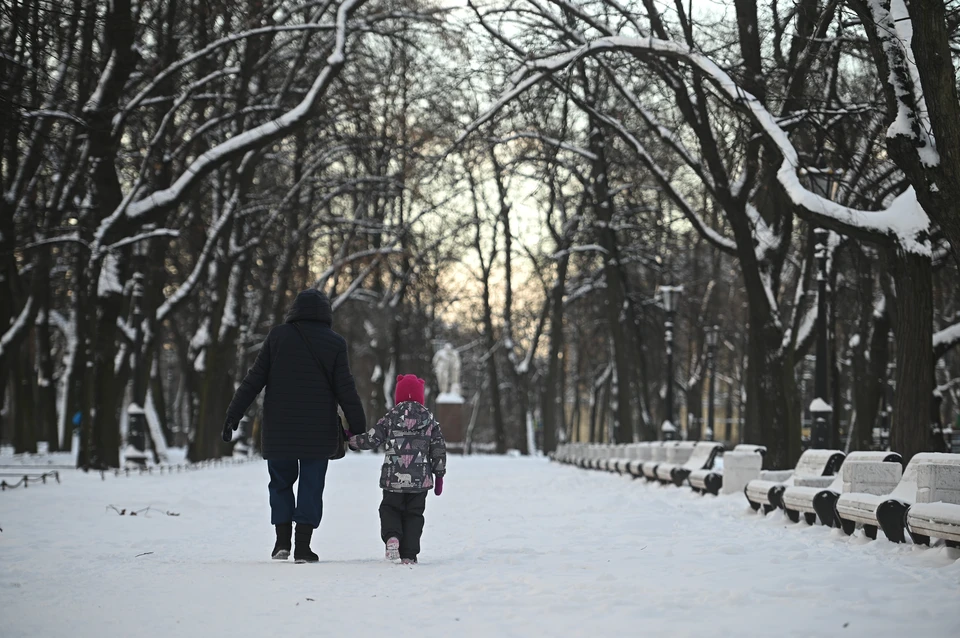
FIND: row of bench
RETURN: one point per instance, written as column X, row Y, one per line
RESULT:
column 869, row 490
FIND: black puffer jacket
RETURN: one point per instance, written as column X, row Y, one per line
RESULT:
column 300, row 407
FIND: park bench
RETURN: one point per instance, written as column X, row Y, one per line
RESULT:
column 765, row 491
column 649, row 469
column 644, row 453
column 702, row 455
column 888, row 512
column 937, row 510
column 871, row 472
column 593, row 456
column 608, row 454
column 630, row 453
column 740, row 466
column 675, row 455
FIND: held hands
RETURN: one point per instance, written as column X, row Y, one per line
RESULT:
column 438, row 486
column 228, row 429
column 352, row 442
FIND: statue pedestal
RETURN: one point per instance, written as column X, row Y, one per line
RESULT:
column 450, row 416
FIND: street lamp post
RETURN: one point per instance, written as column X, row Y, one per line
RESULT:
column 822, row 182
column 712, row 337
column 820, row 408
column 669, row 296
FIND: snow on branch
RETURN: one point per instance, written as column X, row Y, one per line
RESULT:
column 253, row 138
column 210, row 48
column 160, row 232
column 944, row 340
column 904, row 220
column 187, row 286
column 894, row 30
column 16, row 327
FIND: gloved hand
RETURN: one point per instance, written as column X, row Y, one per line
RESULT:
column 438, row 486
column 228, row 429
column 352, row 443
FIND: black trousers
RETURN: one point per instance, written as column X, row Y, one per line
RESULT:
column 401, row 516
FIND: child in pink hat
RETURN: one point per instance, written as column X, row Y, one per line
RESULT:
column 415, row 454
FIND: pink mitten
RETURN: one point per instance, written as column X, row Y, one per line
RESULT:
column 352, row 443
column 438, row 486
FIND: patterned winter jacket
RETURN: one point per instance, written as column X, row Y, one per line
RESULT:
column 415, row 450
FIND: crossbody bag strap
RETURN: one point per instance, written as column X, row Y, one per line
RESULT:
column 316, row 359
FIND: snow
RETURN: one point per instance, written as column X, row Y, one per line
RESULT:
column 574, row 554
column 21, row 321
column 947, row 336
column 257, row 136
column 904, row 220
column 449, row 397
column 819, row 405
column 109, row 282
column 895, row 30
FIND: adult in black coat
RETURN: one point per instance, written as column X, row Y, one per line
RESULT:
column 300, row 420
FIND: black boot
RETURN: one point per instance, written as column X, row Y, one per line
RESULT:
column 281, row 550
column 302, row 553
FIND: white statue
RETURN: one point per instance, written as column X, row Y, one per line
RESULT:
column 446, row 365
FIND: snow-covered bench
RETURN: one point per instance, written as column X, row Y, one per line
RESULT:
column 888, row 512
column 613, row 456
column 702, row 455
column 660, row 452
column 621, row 460
column 644, row 453
column 586, row 457
column 765, row 492
column 870, row 472
column 602, row 456
column 740, row 466
column 937, row 510
column 595, row 455
column 677, row 455
column 629, row 453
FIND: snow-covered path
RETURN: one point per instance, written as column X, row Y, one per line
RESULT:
column 514, row 547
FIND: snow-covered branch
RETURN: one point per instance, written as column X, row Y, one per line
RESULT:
column 946, row 339
column 160, row 232
column 253, row 138
column 904, row 220
column 18, row 325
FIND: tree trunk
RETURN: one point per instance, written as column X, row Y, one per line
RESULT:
column 552, row 405
column 46, row 390
column 23, row 403
column 615, row 293
column 913, row 325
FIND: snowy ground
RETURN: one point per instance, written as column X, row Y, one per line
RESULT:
column 514, row 547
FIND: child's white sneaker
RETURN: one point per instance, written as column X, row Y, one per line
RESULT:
column 392, row 552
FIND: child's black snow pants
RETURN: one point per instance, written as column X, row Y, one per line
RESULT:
column 401, row 516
